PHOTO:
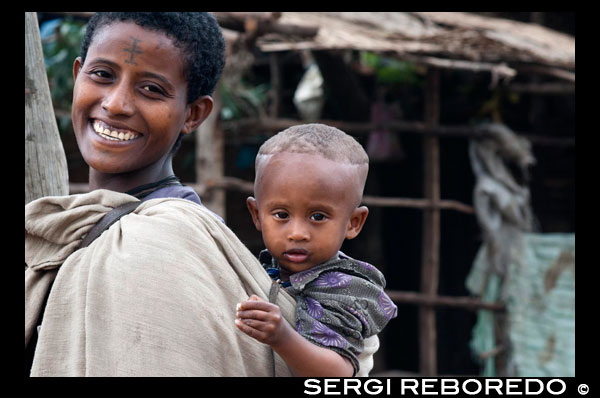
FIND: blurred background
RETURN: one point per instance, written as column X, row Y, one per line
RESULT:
column 469, row 123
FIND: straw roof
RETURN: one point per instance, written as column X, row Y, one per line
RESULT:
column 445, row 39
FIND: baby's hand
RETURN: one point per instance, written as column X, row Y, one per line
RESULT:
column 261, row 320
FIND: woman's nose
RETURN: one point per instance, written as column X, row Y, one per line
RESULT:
column 119, row 100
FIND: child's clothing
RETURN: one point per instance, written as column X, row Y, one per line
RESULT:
column 338, row 303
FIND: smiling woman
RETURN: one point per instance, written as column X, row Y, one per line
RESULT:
column 130, row 99
column 154, row 294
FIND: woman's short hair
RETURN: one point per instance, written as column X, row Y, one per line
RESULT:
column 197, row 34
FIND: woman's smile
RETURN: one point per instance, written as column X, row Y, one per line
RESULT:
column 113, row 133
column 107, row 138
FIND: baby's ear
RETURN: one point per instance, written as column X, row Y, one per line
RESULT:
column 357, row 220
column 252, row 205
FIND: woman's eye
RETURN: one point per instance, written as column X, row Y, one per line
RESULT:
column 317, row 217
column 153, row 89
column 281, row 215
column 101, row 73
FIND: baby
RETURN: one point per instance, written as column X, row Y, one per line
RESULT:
column 308, row 189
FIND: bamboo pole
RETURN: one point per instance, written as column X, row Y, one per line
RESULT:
column 255, row 127
column 46, row 172
column 543, row 88
column 210, row 156
column 239, row 185
column 500, row 70
column 431, row 229
column 378, row 201
column 275, row 92
column 469, row 303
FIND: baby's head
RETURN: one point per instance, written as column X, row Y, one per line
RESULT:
column 308, row 189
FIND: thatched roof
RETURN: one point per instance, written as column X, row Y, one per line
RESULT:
column 444, row 39
column 456, row 40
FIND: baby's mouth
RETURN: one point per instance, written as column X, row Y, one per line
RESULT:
column 113, row 134
column 296, row 255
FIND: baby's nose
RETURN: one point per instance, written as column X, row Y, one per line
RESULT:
column 298, row 231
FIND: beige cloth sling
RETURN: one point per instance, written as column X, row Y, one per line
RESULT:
column 154, row 295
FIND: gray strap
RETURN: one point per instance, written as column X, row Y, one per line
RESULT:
column 273, row 292
column 105, row 222
column 272, row 297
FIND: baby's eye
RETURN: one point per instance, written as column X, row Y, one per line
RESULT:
column 281, row 215
column 317, row 217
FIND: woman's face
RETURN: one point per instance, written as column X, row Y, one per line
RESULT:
column 129, row 99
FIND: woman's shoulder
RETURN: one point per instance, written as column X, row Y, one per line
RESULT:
column 181, row 192
column 176, row 191
column 178, row 213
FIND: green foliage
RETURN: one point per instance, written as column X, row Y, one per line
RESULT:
column 243, row 100
column 61, row 39
column 390, row 70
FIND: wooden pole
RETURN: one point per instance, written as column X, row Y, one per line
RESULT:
column 275, row 85
column 467, row 303
column 46, row 172
column 431, row 229
column 239, row 185
column 255, row 126
column 210, row 156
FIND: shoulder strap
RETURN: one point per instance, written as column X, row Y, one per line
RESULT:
column 273, row 292
column 105, row 222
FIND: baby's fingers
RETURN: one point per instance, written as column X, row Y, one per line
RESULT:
column 259, row 315
column 254, row 297
column 248, row 326
column 256, row 304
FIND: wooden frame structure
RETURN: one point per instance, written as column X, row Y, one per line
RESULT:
column 432, row 204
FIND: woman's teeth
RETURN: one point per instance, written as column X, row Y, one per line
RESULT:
column 113, row 135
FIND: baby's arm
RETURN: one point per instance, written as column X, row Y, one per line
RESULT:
column 262, row 321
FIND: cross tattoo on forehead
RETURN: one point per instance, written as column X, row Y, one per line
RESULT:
column 132, row 51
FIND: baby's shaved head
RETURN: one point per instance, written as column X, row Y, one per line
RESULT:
column 319, row 140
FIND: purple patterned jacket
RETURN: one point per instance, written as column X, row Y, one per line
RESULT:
column 338, row 303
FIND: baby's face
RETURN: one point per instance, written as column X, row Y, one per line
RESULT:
column 305, row 207
column 132, row 86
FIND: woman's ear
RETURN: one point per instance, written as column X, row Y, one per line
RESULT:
column 76, row 67
column 357, row 220
column 197, row 113
column 253, row 209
